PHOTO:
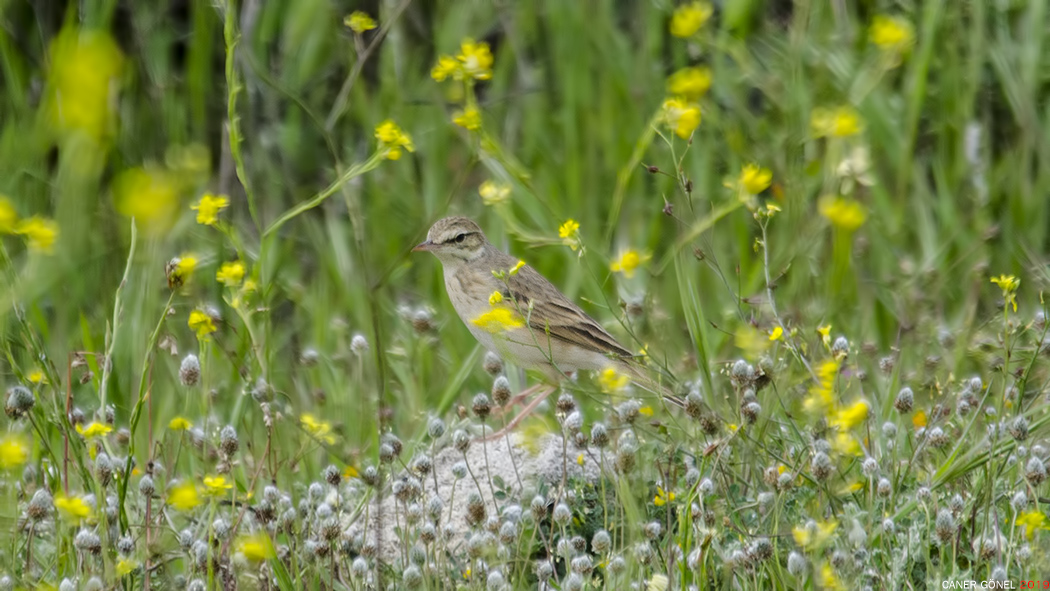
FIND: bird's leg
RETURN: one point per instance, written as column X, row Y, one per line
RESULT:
column 518, row 398
column 545, row 391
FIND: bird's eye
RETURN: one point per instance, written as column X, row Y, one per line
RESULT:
column 461, row 237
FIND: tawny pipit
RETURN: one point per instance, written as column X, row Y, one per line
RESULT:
column 513, row 310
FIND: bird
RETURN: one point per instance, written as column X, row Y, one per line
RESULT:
column 513, row 310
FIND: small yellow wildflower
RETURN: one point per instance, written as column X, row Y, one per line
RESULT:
column 498, row 320
column 208, row 208
column 689, row 83
column 569, row 232
column 828, row 579
column 36, row 377
column 846, row 444
column 688, row 18
column 256, row 546
column 93, row 430
column 850, row 416
column 754, row 179
column 628, row 262
column 579, row 460
column 663, row 497
column 612, row 381
column 681, row 116
column 825, row 335
column 359, row 22
column 446, row 67
column 1008, row 284
column 392, row 140
column 201, row 323
column 815, row 534
column 179, row 424
column 476, row 59
column 1032, row 520
column 216, row 485
column 845, row 214
column 469, row 118
column 777, row 334
column 821, row 398
column 772, row 208
column 495, row 298
column 657, row 583
column 493, row 193
column 646, row 411
column 186, row 266
column 230, row 274
column 14, row 451
column 72, row 508
column 891, row 33
column 8, row 216
column 126, row 566
column 319, row 429
column 40, row 233
column 843, row 121
column 351, row 472
column 184, row 496
column 517, row 267
column 918, row 420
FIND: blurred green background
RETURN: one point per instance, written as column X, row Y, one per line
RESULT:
column 110, row 109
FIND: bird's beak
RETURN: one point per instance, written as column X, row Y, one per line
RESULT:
column 424, row 246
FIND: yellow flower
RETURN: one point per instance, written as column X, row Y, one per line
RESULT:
column 208, row 208
column 646, row 411
column 126, row 566
column 72, row 508
column 83, row 82
column 918, row 420
column 319, row 429
column 8, row 216
column 845, row 214
column 628, row 262
column 256, row 546
column 850, row 416
column 359, row 22
column 36, row 377
column 820, row 398
column 612, row 381
column 754, row 179
column 230, row 274
column 469, row 118
column 93, row 430
column 825, row 335
column 1008, row 284
column 891, row 33
column 657, row 583
column 186, row 265
column 216, row 485
column 814, row 534
column 151, row 196
column 662, row 497
column 350, row 472
column 579, row 459
column 569, row 232
column 498, row 320
column 392, row 139
column 40, row 233
column 14, row 451
column 495, row 298
column 828, row 579
column 688, row 18
column 179, row 424
column 1032, row 520
column 493, row 193
column 846, row 444
column 446, row 67
column 772, row 208
column 201, row 323
column 184, row 496
column 517, row 267
column 681, row 116
column 840, row 122
column 776, row 334
column 690, row 83
column 476, row 59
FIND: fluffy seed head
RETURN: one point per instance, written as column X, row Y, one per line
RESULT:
column 501, row 390
column 18, row 402
column 905, row 400
column 190, row 370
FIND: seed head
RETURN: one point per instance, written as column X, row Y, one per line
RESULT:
column 694, row 405
column 18, row 402
column 750, row 412
column 821, row 466
column 481, row 406
column 459, row 470
column 574, row 422
column 492, row 364
column 228, row 442
column 599, row 436
column 840, row 348
column 332, row 475
column 601, row 542
column 544, row 570
column 1019, row 428
column 761, row 549
column 435, row 428
column 626, row 457
column 475, row 510
column 538, row 508
column 146, row 487
column 190, row 370
column 944, row 526
column 370, row 476
column 582, row 564
column 884, row 488
column 653, row 529
column 40, row 505
column 1019, row 501
column 904, row 401
column 566, row 403
column 617, row 565
column 88, row 541
column 461, row 441
column 562, row 514
column 1035, row 471
column 358, row 344
column 501, row 390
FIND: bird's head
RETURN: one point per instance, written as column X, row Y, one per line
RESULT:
column 454, row 240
